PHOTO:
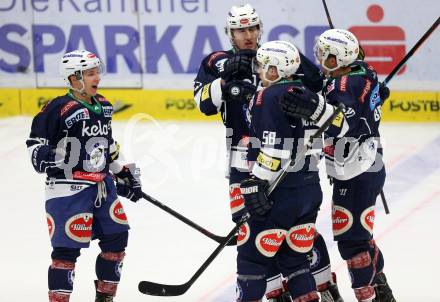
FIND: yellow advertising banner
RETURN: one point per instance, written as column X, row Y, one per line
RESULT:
column 402, row 106
column 9, row 102
column 423, row 106
column 159, row 104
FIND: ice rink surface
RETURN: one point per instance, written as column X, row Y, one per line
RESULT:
column 183, row 167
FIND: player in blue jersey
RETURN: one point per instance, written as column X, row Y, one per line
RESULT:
column 282, row 225
column 353, row 155
column 71, row 142
column 224, row 84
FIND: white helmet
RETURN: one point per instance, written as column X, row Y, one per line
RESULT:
column 280, row 54
column 243, row 16
column 338, row 42
column 75, row 62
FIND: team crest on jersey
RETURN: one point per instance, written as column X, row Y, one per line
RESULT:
column 79, row 227
column 97, row 158
column 367, row 219
column 78, row 115
column 268, row 242
column 300, row 238
column 342, row 220
column 108, row 111
column 50, row 225
column 117, row 212
column 243, row 234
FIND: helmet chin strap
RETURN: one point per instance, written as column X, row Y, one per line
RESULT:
column 329, row 69
column 82, row 90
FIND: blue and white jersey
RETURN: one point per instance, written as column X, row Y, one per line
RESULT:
column 352, row 143
column 209, row 99
column 276, row 139
column 80, row 134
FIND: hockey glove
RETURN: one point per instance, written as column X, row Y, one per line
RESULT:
column 384, row 93
column 239, row 66
column 128, row 182
column 241, row 91
column 255, row 200
column 300, row 102
column 47, row 159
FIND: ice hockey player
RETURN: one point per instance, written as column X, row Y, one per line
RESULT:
column 224, row 84
column 282, row 225
column 71, row 141
column 353, row 155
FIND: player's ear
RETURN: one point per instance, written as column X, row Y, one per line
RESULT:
column 273, row 71
column 71, row 79
column 331, row 61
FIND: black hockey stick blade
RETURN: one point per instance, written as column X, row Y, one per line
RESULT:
column 189, row 222
column 157, row 289
column 412, row 51
column 384, row 202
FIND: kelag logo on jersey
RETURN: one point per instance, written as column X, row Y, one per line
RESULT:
column 78, row 115
column 95, row 130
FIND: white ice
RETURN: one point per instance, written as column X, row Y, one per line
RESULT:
column 183, row 167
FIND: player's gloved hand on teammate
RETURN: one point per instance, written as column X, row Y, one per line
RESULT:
column 237, row 90
column 47, row 158
column 300, row 102
column 384, row 92
column 256, row 202
column 239, row 66
column 128, row 182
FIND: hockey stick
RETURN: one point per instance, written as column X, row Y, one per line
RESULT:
column 329, row 19
column 396, row 70
column 219, row 239
column 412, row 51
column 157, row 289
column 361, row 54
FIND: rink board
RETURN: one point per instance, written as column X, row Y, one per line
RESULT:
column 402, row 106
